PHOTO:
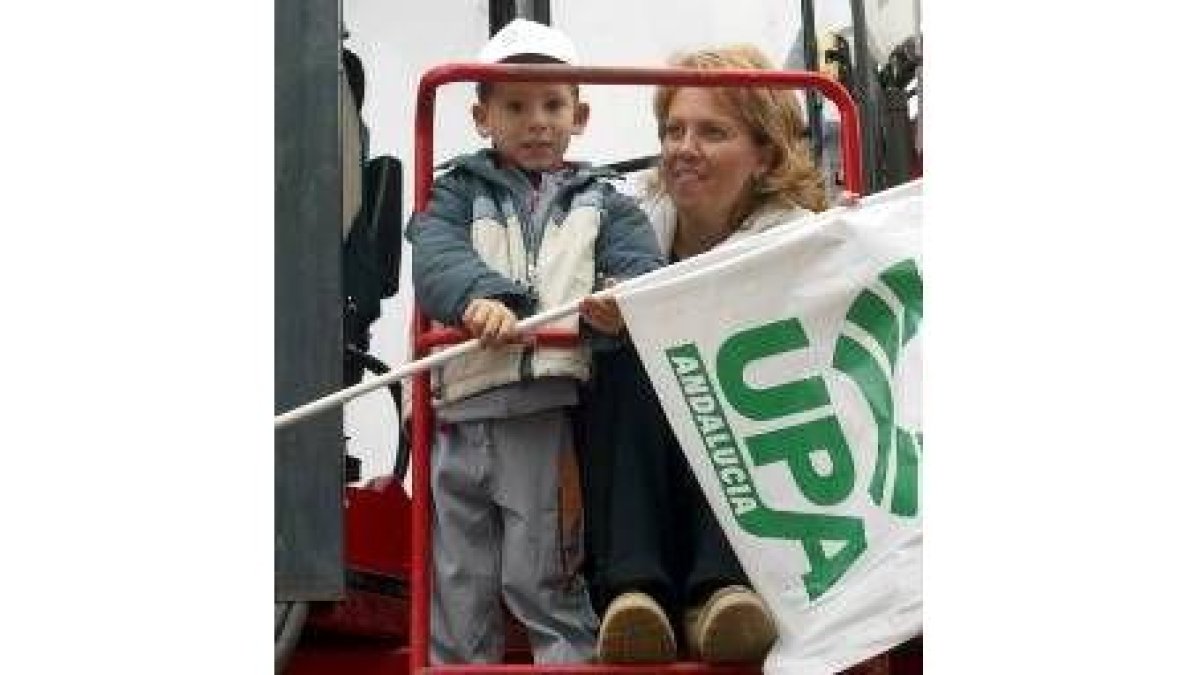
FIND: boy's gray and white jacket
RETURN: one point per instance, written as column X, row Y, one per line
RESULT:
column 489, row 233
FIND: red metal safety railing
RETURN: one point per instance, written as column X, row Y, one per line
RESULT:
column 424, row 339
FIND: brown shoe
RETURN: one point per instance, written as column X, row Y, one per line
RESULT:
column 733, row 626
column 635, row 630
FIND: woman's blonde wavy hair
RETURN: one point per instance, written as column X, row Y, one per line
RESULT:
column 774, row 119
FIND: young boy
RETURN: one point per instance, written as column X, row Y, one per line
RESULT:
column 511, row 231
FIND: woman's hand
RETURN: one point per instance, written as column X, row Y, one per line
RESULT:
column 602, row 313
column 491, row 321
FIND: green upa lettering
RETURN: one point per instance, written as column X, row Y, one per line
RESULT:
column 768, row 403
column 817, row 452
column 818, row 534
column 813, row 531
column 795, row 445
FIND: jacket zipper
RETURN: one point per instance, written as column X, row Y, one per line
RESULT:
column 532, row 252
column 525, row 219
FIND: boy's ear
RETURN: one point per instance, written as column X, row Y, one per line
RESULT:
column 582, row 111
column 479, row 114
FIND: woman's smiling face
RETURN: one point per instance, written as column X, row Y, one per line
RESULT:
column 709, row 156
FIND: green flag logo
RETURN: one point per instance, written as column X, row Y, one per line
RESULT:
column 890, row 330
column 815, row 450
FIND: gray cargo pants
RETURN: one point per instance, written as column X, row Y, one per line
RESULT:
column 496, row 532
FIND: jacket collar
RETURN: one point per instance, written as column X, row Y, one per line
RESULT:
column 663, row 216
column 485, row 164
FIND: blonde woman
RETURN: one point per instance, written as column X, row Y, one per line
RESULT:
column 734, row 162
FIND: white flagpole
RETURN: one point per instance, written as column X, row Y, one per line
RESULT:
column 412, row 368
column 532, row 322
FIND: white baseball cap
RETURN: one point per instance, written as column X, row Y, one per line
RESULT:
column 522, row 36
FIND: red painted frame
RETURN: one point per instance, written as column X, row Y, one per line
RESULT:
column 424, row 338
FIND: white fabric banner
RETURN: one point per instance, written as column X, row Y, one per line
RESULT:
column 789, row 366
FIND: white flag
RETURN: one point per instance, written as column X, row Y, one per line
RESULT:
column 789, row 366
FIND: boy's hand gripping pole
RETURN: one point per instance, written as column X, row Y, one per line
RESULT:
column 407, row 370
